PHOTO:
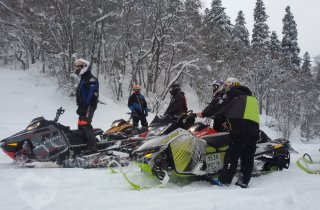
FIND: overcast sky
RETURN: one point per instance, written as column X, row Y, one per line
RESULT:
column 306, row 14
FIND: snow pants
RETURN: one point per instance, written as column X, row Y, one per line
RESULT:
column 243, row 146
column 142, row 118
column 86, row 129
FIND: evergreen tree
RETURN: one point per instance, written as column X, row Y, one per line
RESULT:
column 260, row 35
column 275, row 44
column 290, row 38
column 306, row 65
column 317, row 70
column 240, row 33
column 218, row 18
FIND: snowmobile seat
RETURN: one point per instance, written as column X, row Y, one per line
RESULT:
column 97, row 131
column 218, row 140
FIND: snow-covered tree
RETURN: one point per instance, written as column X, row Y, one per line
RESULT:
column 290, row 38
column 259, row 69
column 317, row 69
column 306, row 65
column 260, row 34
column 240, row 33
column 275, row 45
column 308, row 95
column 217, row 17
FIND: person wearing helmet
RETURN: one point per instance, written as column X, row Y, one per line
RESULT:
column 87, row 100
column 217, row 90
column 178, row 102
column 217, row 87
column 138, row 106
column 241, row 110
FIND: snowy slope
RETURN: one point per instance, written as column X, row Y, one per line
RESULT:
column 26, row 95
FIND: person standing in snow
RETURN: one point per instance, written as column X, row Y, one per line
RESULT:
column 219, row 121
column 138, row 106
column 178, row 102
column 241, row 110
column 87, row 100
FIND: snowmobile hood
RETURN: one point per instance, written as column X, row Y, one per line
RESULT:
column 161, row 140
column 11, row 139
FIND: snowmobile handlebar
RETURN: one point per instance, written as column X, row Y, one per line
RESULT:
column 191, row 114
column 59, row 112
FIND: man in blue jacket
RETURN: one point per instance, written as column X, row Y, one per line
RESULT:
column 138, row 106
column 87, row 100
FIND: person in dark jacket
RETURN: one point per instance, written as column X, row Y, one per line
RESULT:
column 87, row 100
column 138, row 106
column 178, row 102
column 241, row 110
column 217, row 91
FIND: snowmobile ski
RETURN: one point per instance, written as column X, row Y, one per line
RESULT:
column 306, row 164
column 134, row 185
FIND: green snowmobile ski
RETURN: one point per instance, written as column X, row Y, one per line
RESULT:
column 306, row 164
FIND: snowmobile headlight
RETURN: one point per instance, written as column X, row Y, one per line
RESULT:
column 115, row 124
column 33, row 126
column 192, row 129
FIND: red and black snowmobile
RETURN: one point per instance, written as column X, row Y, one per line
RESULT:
column 46, row 140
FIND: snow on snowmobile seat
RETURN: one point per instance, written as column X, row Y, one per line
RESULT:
column 218, row 140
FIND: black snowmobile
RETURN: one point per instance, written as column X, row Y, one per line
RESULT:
column 166, row 124
column 184, row 155
column 45, row 140
column 159, row 126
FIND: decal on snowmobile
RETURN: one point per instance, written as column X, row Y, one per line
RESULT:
column 46, row 140
column 169, row 137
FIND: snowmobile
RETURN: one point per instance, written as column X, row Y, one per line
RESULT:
column 166, row 124
column 200, row 129
column 46, row 140
column 182, row 154
column 123, row 129
column 159, row 126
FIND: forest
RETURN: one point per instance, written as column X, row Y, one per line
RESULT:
column 155, row 43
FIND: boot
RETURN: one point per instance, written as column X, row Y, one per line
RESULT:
column 240, row 183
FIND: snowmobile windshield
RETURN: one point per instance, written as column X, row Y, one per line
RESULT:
column 35, row 123
column 160, row 121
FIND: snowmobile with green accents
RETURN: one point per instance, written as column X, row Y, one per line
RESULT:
column 182, row 154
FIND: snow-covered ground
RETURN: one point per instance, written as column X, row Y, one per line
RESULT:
column 29, row 94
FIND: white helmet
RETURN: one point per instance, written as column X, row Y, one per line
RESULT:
column 232, row 81
column 81, row 66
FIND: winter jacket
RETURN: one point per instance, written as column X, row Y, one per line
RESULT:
column 215, row 100
column 218, row 120
column 177, row 105
column 138, row 104
column 237, row 105
column 88, row 91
